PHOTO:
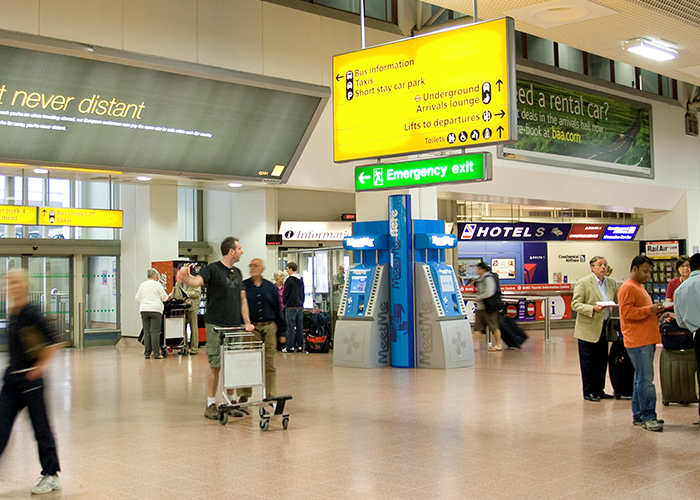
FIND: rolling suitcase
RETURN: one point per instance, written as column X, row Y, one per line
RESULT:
column 511, row 333
column 621, row 370
column 678, row 382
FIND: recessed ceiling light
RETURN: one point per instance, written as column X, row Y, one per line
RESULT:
column 277, row 171
column 40, row 171
column 658, row 50
column 143, row 178
column 234, row 185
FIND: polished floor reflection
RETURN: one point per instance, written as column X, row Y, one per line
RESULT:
column 513, row 427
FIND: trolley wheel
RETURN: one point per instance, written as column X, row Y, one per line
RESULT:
column 265, row 424
column 285, row 422
column 184, row 351
column 223, row 417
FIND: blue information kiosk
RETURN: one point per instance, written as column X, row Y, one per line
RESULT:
column 443, row 334
column 361, row 338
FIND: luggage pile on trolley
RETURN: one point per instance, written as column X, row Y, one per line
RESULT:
column 243, row 365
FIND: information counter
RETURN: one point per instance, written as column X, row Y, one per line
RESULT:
column 530, row 303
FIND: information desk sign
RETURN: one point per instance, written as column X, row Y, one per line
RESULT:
column 79, row 217
column 17, row 214
column 443, row 170
column 451, row 89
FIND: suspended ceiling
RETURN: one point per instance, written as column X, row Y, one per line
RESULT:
column 571, row 23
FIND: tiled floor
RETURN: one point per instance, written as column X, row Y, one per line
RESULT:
column 513, row 427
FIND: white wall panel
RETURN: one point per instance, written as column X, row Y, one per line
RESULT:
column 230, row 34
column 97, row 22
column 166, row 28
column 22, row 16
column 291, row 44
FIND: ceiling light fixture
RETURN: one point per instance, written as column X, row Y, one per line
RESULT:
column 657, row 50
column 143, row 178
column 40, row 171
column 277, row 171
column 235, row 185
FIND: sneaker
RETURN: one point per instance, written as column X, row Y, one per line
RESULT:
column 285, row 350
column 193, row 352
column 300, row 349
column 212, row 412
column 46, row 485
column 157, row 357
column 653, row 425
column 243, row 399
column 235, row 413
column 639, row 423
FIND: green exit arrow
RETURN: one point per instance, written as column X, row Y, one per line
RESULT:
column 443, row 170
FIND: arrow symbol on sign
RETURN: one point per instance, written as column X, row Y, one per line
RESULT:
column 499, row 82
column 338, row 77
column 501, row 114
column 499, row 130
column 363, row 177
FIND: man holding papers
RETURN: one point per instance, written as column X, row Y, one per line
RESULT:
column 591, row 296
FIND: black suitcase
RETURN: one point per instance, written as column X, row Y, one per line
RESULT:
column 511, row 333
column 621, row 370
column 675, row 338
column 678, row 384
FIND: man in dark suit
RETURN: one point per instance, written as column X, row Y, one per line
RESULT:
column 591, row 322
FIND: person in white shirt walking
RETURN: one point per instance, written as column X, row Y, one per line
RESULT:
column 151, row 296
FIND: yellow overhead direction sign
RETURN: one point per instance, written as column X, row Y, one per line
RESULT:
column 17, row 214
column 450, row 89
column 79, row 217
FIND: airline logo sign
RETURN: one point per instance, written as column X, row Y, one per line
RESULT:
column 620, row 232
column 587, row 232
column 523, row 231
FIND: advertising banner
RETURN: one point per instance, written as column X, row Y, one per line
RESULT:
column 401, row 282
column 513, row 231
column 535, row 262
column 662, row 249
column 565, row 125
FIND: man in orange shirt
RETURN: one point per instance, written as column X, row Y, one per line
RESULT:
column 640, row 329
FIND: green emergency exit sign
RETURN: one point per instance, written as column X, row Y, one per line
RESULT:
column 444, row 170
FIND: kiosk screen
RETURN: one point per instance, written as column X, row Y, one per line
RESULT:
column 357, row 283
column 446, row 283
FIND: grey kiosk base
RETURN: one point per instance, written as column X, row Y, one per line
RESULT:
column 364, row 341
column 442, row 341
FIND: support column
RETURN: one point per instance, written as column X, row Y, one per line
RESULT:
column 150, row 233
column 683, row 222
column 246, row 215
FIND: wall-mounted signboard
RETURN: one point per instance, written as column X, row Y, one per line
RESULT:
column 62, row 109
column 443, row 170
column 450, row 89
column 568, row 126
column 17, row 214
column 79, row 217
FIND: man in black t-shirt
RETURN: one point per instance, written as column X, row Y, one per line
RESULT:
column 226, row 306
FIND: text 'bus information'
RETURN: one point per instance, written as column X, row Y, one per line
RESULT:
column 452, row 89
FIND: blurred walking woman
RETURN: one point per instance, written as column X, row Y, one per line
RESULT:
column 31, row 342
column 151, row 296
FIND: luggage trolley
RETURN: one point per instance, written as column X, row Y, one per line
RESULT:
column 174, row 325
column 243, row 365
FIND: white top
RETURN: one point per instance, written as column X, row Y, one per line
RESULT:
column 151, row 295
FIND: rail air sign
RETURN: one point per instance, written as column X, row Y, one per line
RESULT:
column 450, row 89
column 444, row 170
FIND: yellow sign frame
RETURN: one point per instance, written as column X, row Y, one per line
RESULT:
column 80, row 217
column 451, row 89
column 18, row 214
